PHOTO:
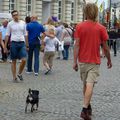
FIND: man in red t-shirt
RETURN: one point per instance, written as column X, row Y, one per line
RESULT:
column 89, row 35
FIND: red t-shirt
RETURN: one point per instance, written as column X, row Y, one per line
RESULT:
column 91, row 34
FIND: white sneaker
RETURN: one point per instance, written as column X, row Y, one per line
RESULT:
column 1, row 60
column 36, row 74
column 10, row 61
column 19, row 61
column 29, row 72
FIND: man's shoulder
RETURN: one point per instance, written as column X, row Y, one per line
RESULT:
column 34, row 23
column 29, row 24
column 11, row 22
column 101, row 27
column 21, row 21
column 81, row 23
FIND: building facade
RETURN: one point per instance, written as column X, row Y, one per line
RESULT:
column 65, row 10
column 90, row 1
column 117, row 13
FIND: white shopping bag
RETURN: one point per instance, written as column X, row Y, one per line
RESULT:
column 61, row 46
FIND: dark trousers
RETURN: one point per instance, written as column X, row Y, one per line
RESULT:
column 33, row 48
column 112, row 43
column 65, row 52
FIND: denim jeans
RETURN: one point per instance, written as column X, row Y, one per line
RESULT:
column 65, row 52
column 17, row 50
column 33, row 48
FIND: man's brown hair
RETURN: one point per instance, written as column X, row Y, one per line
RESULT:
column 14, row 11
column 91, row 11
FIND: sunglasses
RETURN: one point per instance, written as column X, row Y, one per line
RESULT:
column 15, row 15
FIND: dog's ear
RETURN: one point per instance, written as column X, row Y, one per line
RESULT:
column 29, row 91
column 38, row 92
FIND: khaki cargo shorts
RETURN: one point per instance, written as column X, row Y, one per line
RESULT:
column 48, row 57
column 89, row 72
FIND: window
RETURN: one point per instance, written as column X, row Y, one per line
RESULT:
column 59, row 9
column 72, row 11
column 11, row 5
column 28, row 7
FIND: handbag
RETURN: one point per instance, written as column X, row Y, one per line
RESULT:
column 61, row 46
column 67, row 40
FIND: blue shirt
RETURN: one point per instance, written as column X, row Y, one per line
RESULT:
column 34, row 30
column 3, row 30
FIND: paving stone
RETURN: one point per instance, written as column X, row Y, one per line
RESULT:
column 60, row 93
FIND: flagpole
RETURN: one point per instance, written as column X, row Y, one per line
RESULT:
column 110, row 14
column 84, row 3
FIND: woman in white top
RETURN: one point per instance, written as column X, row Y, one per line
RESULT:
column 49, row 50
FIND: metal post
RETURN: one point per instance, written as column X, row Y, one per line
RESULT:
column 115, row 19
column 84, row 3
column 110, row 14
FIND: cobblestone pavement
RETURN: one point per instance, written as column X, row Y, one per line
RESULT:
column 60, row 93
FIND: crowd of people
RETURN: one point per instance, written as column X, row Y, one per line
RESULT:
column 25, row 39
column 22, row 39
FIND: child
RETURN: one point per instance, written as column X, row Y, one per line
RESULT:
column 49, row 50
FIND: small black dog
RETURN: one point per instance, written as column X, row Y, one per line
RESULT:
column 32, row 98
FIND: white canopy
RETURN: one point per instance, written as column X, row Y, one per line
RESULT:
column 115, row 1
column 5, row 16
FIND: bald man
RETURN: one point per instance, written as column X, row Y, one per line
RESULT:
column 34, row 30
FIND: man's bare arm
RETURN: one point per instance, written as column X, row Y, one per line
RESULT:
column 6, row 42
column 76, row 54
column 26, row 41
column 76, row 50
column 107, row 54
column 1, row 42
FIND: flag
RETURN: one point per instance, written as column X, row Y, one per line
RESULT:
column 101, row 8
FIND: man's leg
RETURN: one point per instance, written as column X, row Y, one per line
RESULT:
column 114, row 47
column 13, row 68
column 89, row 75
column 30, row 57
column 88, row 91
column 22, row 56
column 22, row 65
column 36, row 59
